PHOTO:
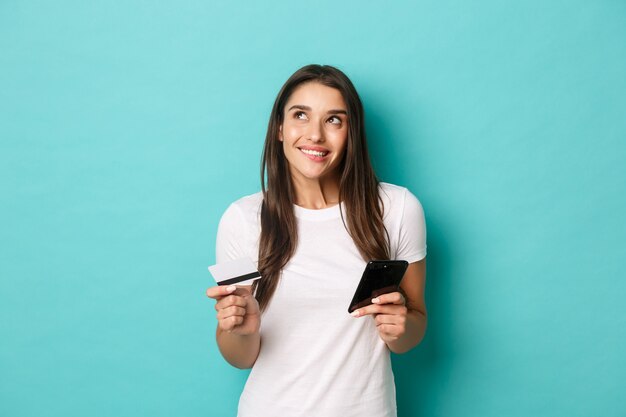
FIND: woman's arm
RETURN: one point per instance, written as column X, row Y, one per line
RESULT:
column 239, row 320
column 401, row 319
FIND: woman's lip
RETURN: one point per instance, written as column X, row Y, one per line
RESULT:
column 314, row 157
column 313, row 148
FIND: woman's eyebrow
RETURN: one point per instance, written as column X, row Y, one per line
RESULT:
column 301, row 107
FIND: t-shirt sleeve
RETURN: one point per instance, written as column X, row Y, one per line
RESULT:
column 412, row 239
column 231, row 236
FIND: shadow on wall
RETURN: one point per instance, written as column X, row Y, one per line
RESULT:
column 420, row 373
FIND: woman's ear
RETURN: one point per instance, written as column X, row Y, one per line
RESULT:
column 280, row 133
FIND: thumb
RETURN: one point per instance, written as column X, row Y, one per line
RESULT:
column 220, row 291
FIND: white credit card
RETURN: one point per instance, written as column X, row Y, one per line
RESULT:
column 240, row 271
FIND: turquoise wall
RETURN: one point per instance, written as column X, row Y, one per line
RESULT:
column 127, row 128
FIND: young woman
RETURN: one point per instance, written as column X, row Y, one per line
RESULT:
column 321, row 215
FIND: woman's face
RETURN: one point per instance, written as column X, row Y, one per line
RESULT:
column 314, row 132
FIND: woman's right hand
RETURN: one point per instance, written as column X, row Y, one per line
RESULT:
column 237, row 310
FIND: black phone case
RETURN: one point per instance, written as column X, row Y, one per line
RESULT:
column 379, row 277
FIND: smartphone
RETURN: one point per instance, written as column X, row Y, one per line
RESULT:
column 379, row 277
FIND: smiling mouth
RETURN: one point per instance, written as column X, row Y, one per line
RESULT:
column 314, row 153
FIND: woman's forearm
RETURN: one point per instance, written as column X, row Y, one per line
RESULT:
column 240, row 351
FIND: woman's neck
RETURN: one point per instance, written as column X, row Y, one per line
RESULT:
column 316, row 194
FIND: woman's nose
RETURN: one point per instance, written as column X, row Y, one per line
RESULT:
column 316, row 132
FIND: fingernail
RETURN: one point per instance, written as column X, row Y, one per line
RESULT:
column 231, row 288
column 375, row 300
column 355, row 313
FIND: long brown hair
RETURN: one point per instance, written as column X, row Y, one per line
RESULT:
column 358, row 186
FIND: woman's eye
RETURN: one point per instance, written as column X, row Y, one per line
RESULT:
column 300, row 115
column 335, row 120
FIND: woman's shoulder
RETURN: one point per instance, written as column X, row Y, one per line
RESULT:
column 394, row 192
column 245, row 208
column 396, row 199
column 389, row 188
column 249, row 202
column 242, row 215
column 238, row 229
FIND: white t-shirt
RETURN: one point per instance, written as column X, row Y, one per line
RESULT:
column 315, row 358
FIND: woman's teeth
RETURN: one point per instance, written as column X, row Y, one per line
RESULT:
column 314, row 153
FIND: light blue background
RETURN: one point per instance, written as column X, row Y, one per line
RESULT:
column 126, row 128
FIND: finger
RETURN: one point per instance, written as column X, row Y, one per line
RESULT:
column 390, row 298
column 230, row 323
column 230, row 311
column 390, row 330
column 220, row 291
column 230, row 300
column 392, row 319
column 243, row 290
column 380, row 309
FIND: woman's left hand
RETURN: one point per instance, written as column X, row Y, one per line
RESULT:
column 390, row 313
